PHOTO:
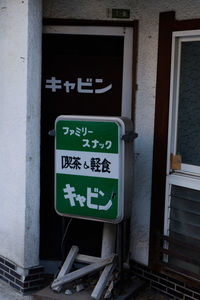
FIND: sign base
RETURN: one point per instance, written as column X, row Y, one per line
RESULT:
column 93, row 264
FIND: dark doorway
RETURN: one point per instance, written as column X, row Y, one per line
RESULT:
column 81, row 75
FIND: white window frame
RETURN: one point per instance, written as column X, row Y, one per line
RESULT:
column 189, row 175
column 177, row 39
column 127, row 33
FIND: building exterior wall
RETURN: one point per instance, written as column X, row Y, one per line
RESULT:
column 20, row 36
column 147, row 13
column 20, row 60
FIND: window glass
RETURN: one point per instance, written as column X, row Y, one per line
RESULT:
column 188, row 135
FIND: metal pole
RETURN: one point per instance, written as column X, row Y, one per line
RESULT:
column 108, row 240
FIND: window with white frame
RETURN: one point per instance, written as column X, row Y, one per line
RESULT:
column 182, row 206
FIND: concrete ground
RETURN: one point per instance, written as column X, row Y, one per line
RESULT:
column 8, row 293
column 149, row 294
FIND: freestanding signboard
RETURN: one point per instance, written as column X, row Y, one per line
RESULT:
column 89, row 165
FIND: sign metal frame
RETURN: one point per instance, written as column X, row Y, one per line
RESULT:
column 104, row 180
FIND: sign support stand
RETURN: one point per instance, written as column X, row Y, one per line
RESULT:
column 94, row 264
column 91, row 150
column 108, row 240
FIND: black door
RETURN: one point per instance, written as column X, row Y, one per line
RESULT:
column 81, row 75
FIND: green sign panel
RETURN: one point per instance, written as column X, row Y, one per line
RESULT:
column 89, row 168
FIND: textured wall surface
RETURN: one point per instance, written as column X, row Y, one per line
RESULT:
column 147, row 12
column 12, row 128
column 32, row 212
column 19, row 134
column 20, row 60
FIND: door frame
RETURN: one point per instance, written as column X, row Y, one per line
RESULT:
column 128, row 29
column 127, row 33
column 189, row 175
column 167, row 25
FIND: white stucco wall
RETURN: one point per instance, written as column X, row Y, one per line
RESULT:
column 20, row 61
column 34, row 58
column 20, row 45
column 147, row 12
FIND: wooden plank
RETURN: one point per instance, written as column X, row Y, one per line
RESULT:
column 108, row 292
column 103, row 280
column 67, row 265
column 69, row 261
column 82, row 272
column 82, row 258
